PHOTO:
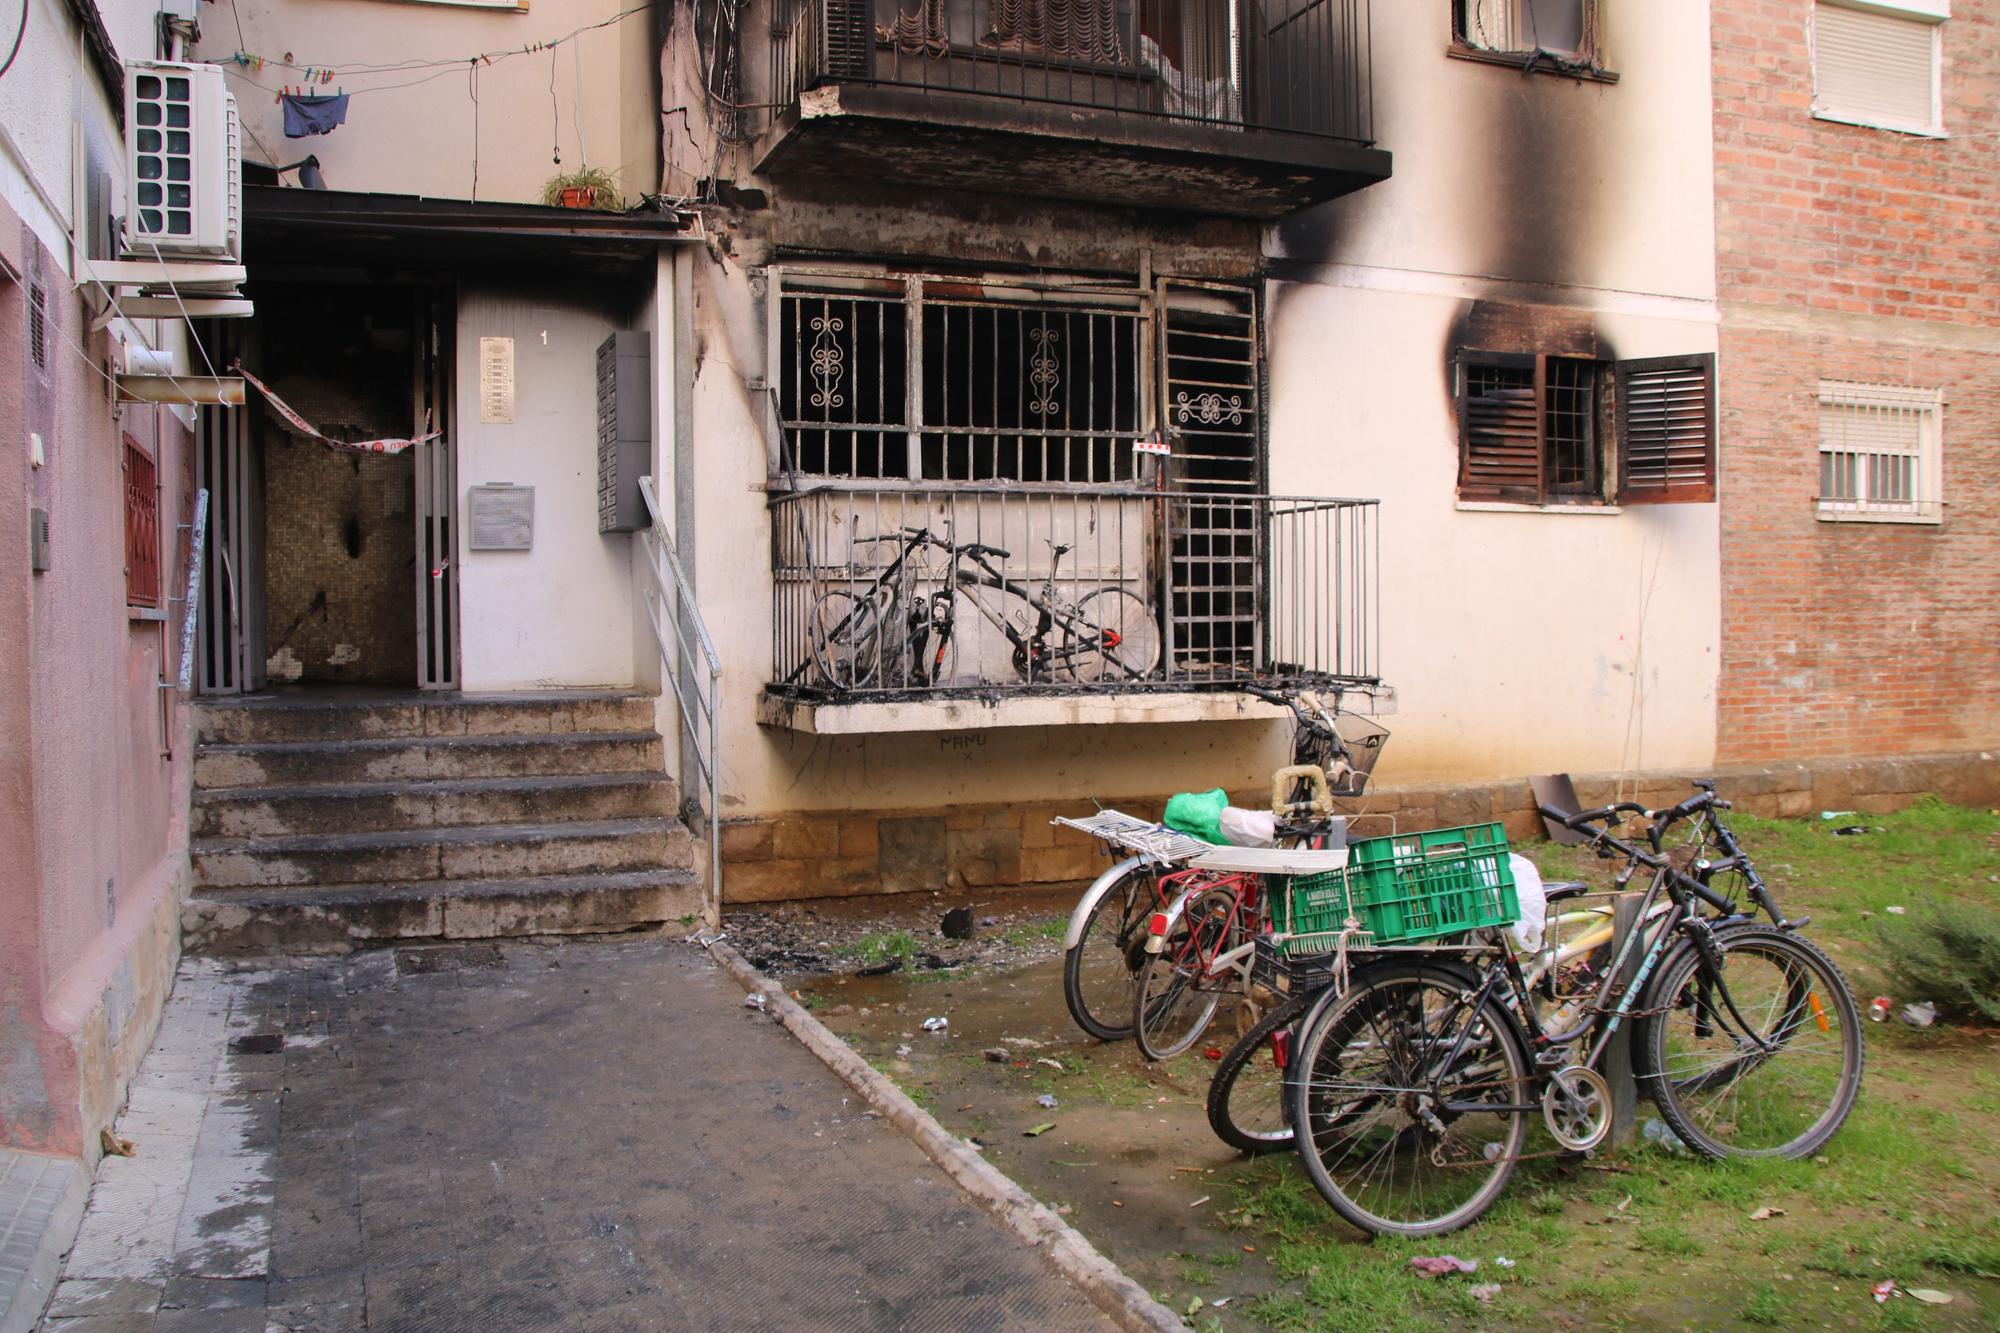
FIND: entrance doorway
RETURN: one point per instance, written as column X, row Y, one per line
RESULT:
column 325, row 566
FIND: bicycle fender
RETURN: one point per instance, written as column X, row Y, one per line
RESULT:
column 1088, row 903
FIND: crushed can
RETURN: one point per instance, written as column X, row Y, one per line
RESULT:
column 1878, row 1009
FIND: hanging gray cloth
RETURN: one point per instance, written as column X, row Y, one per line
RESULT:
column 307, row 116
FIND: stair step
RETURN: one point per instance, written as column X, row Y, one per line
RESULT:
column 354, row 807
column 320, row 918
column 477, row 852
column 342, row 716
column 391, row 759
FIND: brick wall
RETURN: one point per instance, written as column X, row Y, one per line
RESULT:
column 1856, row 254
column 1007, row 846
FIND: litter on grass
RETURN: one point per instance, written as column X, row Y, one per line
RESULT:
column 1930, row 1295
column 1484, row 1292
column 1036, row 1131
column 1766, row 1214
column 1046, row 1101
column 1920, row 1015
column 754, row 1000
column 1442, row 1265
column 936, row 1024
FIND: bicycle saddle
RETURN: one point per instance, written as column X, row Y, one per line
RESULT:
column 1060, row 548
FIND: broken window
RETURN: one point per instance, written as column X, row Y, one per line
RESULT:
column 938, row 380
column 1565, row 28
column 1531, row 428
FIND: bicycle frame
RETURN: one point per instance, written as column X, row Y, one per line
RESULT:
column 1245, row 903
column 1031, row 648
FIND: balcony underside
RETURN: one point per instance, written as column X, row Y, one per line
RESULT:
column 912, row 137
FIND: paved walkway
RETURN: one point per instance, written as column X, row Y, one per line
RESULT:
column 585, row 1136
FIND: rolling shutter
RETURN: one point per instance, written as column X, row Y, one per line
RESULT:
column 1666, row 430
column 1874, row 68
column 1499, row 427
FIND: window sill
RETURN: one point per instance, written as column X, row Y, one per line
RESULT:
column 1519, row 60
column 150, row 613
column 873, row 717
column 1887, row 127
column 1510, row 507
column 1842, row 516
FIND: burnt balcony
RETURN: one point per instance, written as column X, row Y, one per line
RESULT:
column 1125, row 596
column 1244, row 108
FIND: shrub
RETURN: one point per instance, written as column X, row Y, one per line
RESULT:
column 1949, row 954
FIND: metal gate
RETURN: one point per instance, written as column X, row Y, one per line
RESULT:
column 232, row 578
column 436, row 509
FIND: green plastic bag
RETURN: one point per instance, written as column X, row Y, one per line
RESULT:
column 1199, row 813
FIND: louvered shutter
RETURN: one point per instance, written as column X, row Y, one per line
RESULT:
column 1499, row 429
column 1875, row 68
column 1666, row 430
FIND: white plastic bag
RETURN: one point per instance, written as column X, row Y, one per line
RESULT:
column 1527, row 928
column 1249, row 828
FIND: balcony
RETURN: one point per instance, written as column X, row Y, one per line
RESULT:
column 1245, row 108
column 1098, row 604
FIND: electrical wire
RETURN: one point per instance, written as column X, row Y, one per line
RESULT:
column 19, row 34
column 485, row 57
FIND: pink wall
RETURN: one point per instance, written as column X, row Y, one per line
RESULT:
column 92, row 814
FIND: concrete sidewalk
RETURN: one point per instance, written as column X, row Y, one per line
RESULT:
column 517, row 1136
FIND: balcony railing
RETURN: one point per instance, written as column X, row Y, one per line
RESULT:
column 970, row 590
column 1301, row 66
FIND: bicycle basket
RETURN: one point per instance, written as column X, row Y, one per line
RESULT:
column 1419, row 886
column 1364, row 739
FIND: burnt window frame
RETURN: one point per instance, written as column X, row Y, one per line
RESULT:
column 1652, row 425
column 920, row 422
column 1587, row 62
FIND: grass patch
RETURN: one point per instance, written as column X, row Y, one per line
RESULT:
column 1764, row 1305
column 871, row 949
column 1035, row 932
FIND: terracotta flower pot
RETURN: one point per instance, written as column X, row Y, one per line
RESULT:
column 579, row 196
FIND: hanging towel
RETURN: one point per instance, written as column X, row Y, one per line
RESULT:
column 307, row 116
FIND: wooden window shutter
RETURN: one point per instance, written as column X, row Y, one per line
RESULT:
column 1500, row 428
column 1666, row 430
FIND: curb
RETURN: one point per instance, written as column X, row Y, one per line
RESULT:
column 1128, row 1303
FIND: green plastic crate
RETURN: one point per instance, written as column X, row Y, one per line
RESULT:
column 1412, row 886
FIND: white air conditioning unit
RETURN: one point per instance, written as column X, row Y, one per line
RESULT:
column 184, row 160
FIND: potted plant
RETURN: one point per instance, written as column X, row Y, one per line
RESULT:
column 591, row 187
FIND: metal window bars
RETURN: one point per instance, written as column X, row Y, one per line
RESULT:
column 989, row 590
column 1298, row 66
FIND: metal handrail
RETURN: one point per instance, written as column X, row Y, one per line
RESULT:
column 698, row 715
column 191, row 604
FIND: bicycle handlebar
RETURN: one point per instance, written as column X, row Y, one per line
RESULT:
column 1659, row 822
column 974, row 548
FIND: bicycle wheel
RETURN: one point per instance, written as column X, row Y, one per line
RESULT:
column 1774, row 1078
column 1113, row 636
column 1406, row 1101
column 1248, row 1107
column 846, row 636
column 1101, row 973
column 1175, row 999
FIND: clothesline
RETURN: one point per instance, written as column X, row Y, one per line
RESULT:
column 354, row 69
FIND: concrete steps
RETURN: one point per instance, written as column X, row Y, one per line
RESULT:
column 356, row 807
column 333, row 918
column 292, row 763
column 329, row 821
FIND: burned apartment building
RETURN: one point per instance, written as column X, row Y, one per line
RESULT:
column 1131, row 293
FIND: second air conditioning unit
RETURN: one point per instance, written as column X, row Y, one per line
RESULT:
column 185, row 163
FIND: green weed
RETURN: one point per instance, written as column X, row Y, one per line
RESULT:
column 1764, row 1305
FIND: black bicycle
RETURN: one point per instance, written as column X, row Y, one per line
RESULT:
column 1108, row 634
column 1417, row 1084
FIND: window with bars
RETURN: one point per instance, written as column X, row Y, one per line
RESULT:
column 932, row 380
column 142, row 526
column 1532, row 429
column 1876, row 63
column 1879, row 454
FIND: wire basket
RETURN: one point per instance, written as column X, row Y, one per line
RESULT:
column 1364, row 738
